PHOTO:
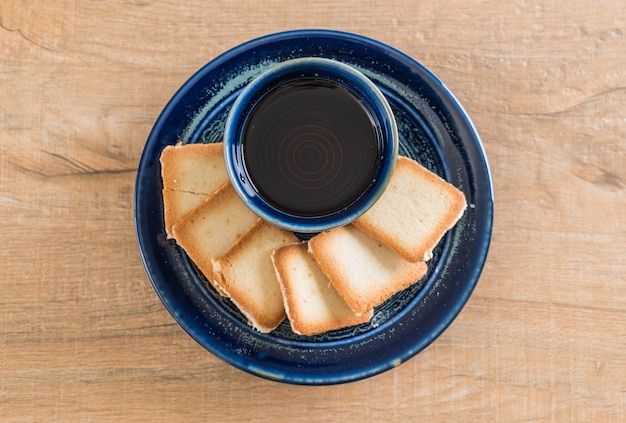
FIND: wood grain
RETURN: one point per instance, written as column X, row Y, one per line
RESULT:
column 83, row 336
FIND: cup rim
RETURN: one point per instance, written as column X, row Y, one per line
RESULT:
column 322, row 68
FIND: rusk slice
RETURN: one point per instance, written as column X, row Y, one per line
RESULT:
column 364, row 271
column 198, row 168
column 177, row 204
column 414, row 212
column 212, row 227
column 189, row 172
column 312, row 305
column 246, row 274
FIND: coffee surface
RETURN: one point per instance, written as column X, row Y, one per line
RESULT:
column 310, row 148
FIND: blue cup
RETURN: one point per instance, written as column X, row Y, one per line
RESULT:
column 310, row 144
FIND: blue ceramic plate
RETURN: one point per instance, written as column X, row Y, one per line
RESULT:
column 434, row 129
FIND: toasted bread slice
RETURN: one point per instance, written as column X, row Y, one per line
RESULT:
column 364, row 271
column 190, row 172
column 415, row 211
column 246, row 274
column 177, row 204
column 312, row 305
column 212, row 227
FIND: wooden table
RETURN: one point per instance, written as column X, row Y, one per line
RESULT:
column 83, row 337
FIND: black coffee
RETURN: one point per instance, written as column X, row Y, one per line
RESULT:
column 310, row 148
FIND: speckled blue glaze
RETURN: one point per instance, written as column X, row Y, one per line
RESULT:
column 319, row 68
column 433, row 129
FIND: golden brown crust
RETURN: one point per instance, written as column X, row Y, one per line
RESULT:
column 245, row 272
column 414, row 212
column 312, row 305
column 364, row 272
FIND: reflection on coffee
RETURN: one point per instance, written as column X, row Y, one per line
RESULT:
column 310, row 147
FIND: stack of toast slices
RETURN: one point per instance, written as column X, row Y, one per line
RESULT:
column 332, row 281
